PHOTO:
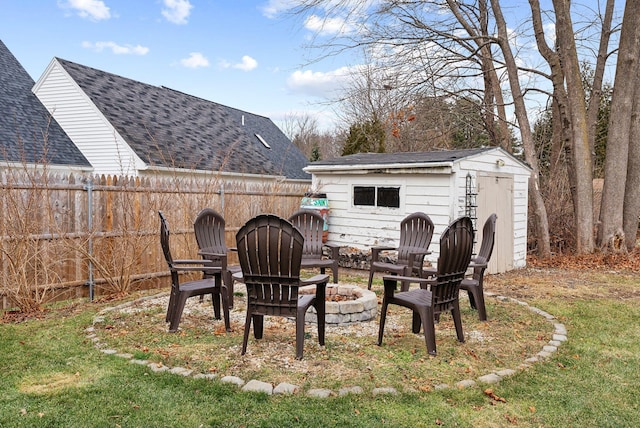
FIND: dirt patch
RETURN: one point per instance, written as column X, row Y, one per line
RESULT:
column 350, row 357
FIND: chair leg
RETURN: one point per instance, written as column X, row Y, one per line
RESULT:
column 472, row 299
column 228, row 282
column 457, row 320
column 416, row 322
column 479, row 301
column 172, row 304
column 258, row 326
column 247, row 326
column 482, row 310
column 370, row 279
column 429, row 329
column 215, row 301
column 321, row 313
column 177, row 312
column 225, row 309
column 334, row 270
column 383, row 318
column 300, row 333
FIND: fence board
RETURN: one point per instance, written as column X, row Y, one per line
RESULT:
column 45, row 217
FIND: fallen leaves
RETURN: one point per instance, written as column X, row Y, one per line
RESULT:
column 494, row 398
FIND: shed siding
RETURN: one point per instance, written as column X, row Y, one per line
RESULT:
column 441, row 196
column 98, row 141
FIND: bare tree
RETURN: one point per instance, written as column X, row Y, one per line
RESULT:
column 448, row 49
column 621, row 171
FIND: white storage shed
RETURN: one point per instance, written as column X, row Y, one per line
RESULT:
column 370, row 193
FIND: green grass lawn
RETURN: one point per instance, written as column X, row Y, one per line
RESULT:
column 53, row 376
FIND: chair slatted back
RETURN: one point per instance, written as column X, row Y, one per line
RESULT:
column 164, row 239
column 488, row 240
column 310, row 223
column 416, row 231
column 456, row 247
column 270, row 253
column 164, row 242
column 209, row 229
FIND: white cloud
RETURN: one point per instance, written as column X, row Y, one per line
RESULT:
column 274, row 7
column 318, row 83
column 247, row 64
column 177, row 11
column 116, row 48
column 195, row 60
column 95, row 10
column 327, row 26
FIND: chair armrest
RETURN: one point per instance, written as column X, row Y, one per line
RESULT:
column 473, row 264
column 195, row 266
column 335, row 250
column 317, row 279
column 214, row 257
column 392, row 280
column 200, row 262
column 478, row 262
column 377, row 249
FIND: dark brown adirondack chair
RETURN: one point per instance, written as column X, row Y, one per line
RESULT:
column 310, row 223
column 209, row 228
column 435, row 295
column 181, row 291
column 416, row 231
column 270, row 252
column 473, row 285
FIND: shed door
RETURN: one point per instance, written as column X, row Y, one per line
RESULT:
column 495, row 195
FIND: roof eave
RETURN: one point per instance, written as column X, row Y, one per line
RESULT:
column 378, row 168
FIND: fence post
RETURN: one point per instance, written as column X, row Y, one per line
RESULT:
column 90, row 282
column 221, row 191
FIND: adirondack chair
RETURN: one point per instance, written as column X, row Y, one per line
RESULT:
column 181, row 291
column 270, row 252
column 209, row 228
column 416, row 231
column 474, row 284
column 310, row 223
column 438, row 294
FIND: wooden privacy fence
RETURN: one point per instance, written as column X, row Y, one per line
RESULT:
column 65, row 235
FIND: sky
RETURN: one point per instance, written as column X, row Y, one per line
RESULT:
column 246, row 54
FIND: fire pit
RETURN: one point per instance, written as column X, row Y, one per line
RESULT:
column 345, row 304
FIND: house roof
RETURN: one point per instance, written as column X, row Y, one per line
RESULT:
column 168, row 128
column 402, row 159
column 28, row 133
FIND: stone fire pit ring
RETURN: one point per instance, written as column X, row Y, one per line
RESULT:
column 346, row 304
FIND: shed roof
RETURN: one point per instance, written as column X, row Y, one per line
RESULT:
column 403, row 159
column 168, row 128
column 28, row 133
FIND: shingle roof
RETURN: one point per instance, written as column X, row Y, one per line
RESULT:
column 402, row 157
column 28, row 133
column 169, row 128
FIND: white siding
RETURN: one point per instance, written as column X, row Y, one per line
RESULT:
column 440, row 194
column 98, row 141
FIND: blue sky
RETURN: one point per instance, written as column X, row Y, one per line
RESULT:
column 241, row 53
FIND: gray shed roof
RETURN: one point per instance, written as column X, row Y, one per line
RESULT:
column 373, row 160
column 402, row 157
column 28, row 133
column 168, row 128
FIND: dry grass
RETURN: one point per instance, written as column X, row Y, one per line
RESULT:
column 350, row 357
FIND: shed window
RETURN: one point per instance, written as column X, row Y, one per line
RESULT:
column 374, row 196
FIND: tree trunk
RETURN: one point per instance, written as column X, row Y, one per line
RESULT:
column 539, row 211
column 577, row 111
column 598, row 76
column 632, row 190
column 610, row 228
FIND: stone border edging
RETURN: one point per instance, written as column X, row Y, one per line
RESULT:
column 558, row 337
